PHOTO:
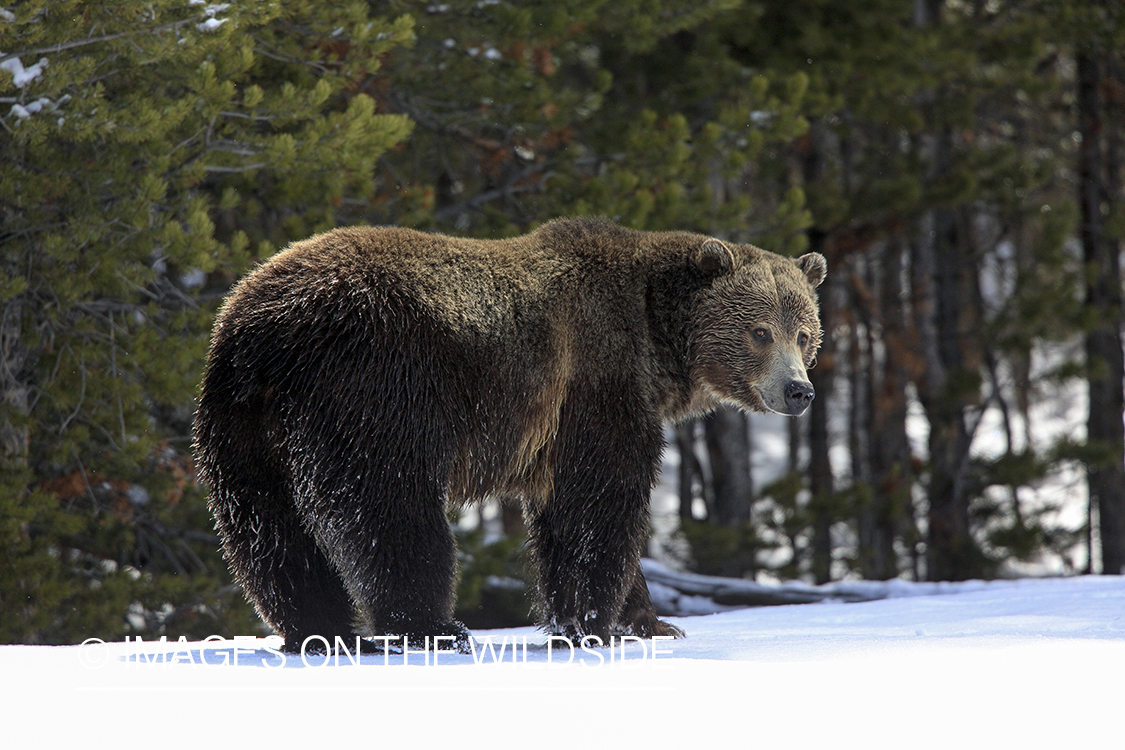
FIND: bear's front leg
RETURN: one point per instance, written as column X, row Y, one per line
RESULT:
column 638, row 617
column 581, row 588
column 586, row 538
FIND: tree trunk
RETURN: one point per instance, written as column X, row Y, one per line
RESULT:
column 821, row 482
column 949, row 387
column 690, row 470
column 942, row 267
column 1104, row 430
column 727, row 436
column 14, row 391
column 889, row 513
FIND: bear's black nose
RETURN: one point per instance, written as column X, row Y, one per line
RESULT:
column 798, row 395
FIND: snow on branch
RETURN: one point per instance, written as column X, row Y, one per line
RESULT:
column 22, row 76
column 676, row 593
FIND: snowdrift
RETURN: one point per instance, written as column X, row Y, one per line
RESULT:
column 1027, row 663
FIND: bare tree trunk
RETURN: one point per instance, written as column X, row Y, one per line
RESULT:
column 821, row 481
column 860, row 321
column 14, row 389
column 1104, row 430
column 951, row 385
column 727, row 436
column 795, row 440
column 942, row 269
column 889, row 514
column 511, row 518
column 690, row 471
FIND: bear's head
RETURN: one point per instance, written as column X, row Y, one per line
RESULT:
column 756, row 327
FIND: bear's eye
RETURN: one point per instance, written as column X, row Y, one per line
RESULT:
column 762, row 335
column 802, row 339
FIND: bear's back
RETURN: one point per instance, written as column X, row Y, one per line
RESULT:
column 568, row 270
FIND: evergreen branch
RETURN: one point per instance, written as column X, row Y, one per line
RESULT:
column 62, row 46
column 236, row 170
column 77, row 407
column 190, row 535
column 252, row 118
column 506, row 191
column 268, row 51
column 233, row 147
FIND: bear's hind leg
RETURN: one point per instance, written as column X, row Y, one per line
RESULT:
column 398, row 554
column 294, row 587
column 306, row 599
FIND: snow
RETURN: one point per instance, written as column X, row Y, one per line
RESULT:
column 682, row 593
column 210, row 12
column 1027, row 663
column 22, row 112
column 213, row 10
column 22, row 76
column 211, row 24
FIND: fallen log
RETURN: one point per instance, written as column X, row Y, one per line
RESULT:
column 676, row 593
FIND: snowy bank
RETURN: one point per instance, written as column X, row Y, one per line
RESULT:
column 1029, row 663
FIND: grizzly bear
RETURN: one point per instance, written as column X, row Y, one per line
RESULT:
column 362, row 382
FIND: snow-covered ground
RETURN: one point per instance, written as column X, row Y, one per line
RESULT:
column 1006, row 664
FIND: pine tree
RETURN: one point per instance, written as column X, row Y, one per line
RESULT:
column 934, row 143
column 133, row 135
column 539, row 111
column 1100, row 104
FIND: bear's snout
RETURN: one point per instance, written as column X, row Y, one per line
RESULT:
column 798, row 395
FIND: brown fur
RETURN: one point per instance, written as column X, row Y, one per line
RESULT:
column 361, row 381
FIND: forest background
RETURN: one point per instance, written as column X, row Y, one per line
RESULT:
column 959, row 162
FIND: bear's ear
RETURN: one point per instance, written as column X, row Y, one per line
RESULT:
column 814, row 266
column 713, row 258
